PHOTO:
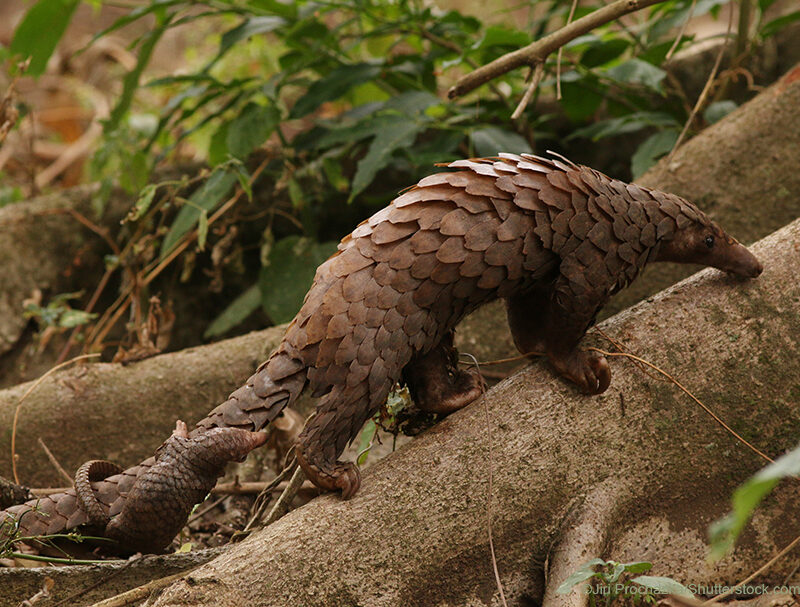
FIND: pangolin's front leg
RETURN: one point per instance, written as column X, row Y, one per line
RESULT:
column 436, row 383
column 554, row 324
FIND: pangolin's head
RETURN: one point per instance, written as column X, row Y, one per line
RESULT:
column 697, row 239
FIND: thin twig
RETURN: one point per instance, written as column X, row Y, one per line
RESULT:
column 756, row 573
column 538, row 72
column 490, row 481
column 690, row 395
column 141, row 592
column 704, row 94
column 24, row 396
column 561, row 51
column 281, row 506
column 682, row 31
column 56, row 464
column 539, row 50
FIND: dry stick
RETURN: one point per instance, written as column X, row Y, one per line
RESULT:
column 705, row 92
column 208, row 508
column 690, row 395
column 526, row 98
column 124, row 300
column 539, row 50
column 19, row 406
column 682, row 31
column 561, row 51
column 141, row 592
column 56, row 464
column 281, row 506
column 756, row 573
column 490, row 475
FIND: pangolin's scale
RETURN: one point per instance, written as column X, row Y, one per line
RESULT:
column 405, row 277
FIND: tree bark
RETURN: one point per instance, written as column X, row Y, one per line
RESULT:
column 121, row 412
column 641, row 466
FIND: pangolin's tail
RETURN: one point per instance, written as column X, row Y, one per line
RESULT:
column 275, row 385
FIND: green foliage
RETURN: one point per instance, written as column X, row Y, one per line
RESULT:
column 58, row 313
column 288, row 273
column 612, row 582
column 746, row 499
column 40, row 31
column 343, row 104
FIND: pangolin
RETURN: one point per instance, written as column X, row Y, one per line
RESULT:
column 554, row 239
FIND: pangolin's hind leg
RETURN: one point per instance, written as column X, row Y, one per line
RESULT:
column 528, row 315
column 436, row 383
column 339, row 416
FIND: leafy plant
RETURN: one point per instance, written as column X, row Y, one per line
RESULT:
column 746, row 499
column 612, row 582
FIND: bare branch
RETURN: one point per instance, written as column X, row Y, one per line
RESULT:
column 539, row 50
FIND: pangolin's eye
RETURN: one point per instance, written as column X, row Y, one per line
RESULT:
column 710, row 242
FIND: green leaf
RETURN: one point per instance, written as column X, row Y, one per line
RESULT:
column 131, row 81
column 399, row 133
column 502, row 36
column 239, row 309
column 333, row 86
column 491, row 140
column 143, row 202
column 41, row 30
column 650, row 150
column 243, row 31
column 202, row 230
column 663, row 585
column 218, row 146
column 604, row 51
column 583, row 573
column 718, row 110
column 638, row 567
column 205, row 199
column 365, row 438
column 745, row 499
column 70, row 318
column 624, row 124
column 636, row 71
column 251, row 128
column 579, row 99
column 285, row 281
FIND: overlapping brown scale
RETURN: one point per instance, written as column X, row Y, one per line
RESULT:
column 601, row 236
column 387, row 297
column 402, row 256
column 430, row 214
column 446, row 273
column 472, row 203
column 473, row 265
column 528, row 199
column 426, row 241
column 452, row 251
column 423, row 266
column 457, row 222
column 665, row 228
column 504, row 208
column 492, row 277
column 327, row 352
column 388, row 232
column 515, row 226
column 481, row 235
column 414, row 195
column 427, row 293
